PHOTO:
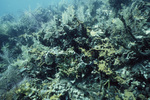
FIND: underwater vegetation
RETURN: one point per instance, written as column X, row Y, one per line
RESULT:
column 87, row 50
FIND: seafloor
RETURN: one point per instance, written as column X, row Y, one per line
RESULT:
column 87, row 50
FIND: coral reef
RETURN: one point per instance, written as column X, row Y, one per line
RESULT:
column 87, row 50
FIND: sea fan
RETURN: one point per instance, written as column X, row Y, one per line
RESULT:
column 6, row 55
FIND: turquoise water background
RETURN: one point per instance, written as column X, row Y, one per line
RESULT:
column 16, row 7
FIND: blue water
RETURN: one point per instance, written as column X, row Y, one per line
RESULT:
column 16, row 7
